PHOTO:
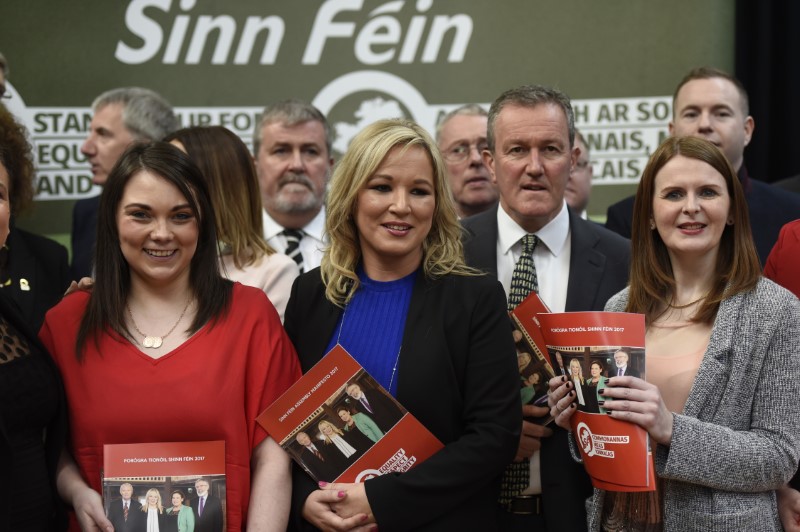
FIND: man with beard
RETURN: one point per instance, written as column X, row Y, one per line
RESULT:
column 292, row 145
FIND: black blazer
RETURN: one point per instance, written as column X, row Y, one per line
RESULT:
column 84, row 233
column 598, row 269
column 770, row 209
column 458, row 376
column 211, row 520
column 136, row 518
column 42, row 264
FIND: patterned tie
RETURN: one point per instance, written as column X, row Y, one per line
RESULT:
column 125, row 511
column 516, row 477
column 293, row 237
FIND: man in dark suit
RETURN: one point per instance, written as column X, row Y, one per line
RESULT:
column 375, row 403
column 121, row 117
column 125, row 513
column 207, row 508
column 621, row 359
column 579, row 266
column 711, row 104
column 321, row 464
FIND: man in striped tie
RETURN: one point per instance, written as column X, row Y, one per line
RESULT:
column 292, row 146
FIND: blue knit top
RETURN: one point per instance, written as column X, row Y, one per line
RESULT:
column 372, row 325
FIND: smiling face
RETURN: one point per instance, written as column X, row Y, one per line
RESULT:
column 595, row 370
column 157, row 229
column 126, row 490
column 691, row 207
column 177, row 500
column 712, row 109
column 326, row 429
column 621, row 359
column 344, row 415
column 153, row 498
column 394, row 213
column 462, row 140
column 303, row 439
column 531, row 162
column 293, row 166
column 108, row 138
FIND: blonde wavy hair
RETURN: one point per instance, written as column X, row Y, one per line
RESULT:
column 442, row 252
column 333, row 427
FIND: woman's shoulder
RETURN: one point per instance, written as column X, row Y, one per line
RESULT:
column 618, row 302
column 70, row 305
column 770, row 297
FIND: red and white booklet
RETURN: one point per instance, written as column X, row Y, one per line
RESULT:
column 589, row 348
column 340, row 425
column 161, row 469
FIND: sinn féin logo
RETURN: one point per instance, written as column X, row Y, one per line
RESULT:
column 585, row 439
column 368, row 474
column 358, row 99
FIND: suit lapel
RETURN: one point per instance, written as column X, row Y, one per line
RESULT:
column 586, row 267
column 480, row 242
column 417, row 326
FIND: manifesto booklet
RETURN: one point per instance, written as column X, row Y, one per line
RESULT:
column 589, row 348
column 187, row 479
column 340, row 425
column 535, row 368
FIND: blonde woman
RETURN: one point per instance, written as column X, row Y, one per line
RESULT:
column 393, row 290
column 576, row 370
column 227, row 167
column 154, row 511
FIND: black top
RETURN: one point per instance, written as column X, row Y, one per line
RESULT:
column 31, row 429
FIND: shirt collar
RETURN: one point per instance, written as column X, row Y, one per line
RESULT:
column 314, row 228
column 553, row 235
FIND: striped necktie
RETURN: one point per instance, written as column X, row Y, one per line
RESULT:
column 516, row 477
column 293, row 237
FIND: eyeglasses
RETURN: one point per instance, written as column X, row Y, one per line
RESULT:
column 460, row 152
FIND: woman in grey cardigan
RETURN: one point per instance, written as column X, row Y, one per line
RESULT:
column 723, row 356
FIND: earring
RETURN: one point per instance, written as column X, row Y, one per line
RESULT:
column 652, row 225
column 730, row 221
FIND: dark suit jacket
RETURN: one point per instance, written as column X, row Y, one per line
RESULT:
column 326, row 469
column 42, row 264
column 211, row 520
column 598, row 269
column 770, row 209
column 458, row 376
column 84, row 232
column 136, row 517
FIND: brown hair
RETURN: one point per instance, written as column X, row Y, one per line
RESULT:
column 228, row 169
column 652, row 282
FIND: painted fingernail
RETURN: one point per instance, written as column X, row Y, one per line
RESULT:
column 609, row 412
column 340, row 494
column 322, row 484
column 601, row 403
column 572, row 394
column 572, row 405
column 602, row 392
column 563, row 379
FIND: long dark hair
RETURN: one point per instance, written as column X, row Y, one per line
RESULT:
column 106, row 307
column 652, row 281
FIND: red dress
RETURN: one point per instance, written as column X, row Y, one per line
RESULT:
column 211, row 387
column 783, row 263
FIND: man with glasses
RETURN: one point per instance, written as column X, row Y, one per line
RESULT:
column 461, row 136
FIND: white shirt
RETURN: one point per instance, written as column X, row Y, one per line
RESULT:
column 311, row 245
column 551, row 258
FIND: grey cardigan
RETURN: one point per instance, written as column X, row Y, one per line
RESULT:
column 738, row 438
